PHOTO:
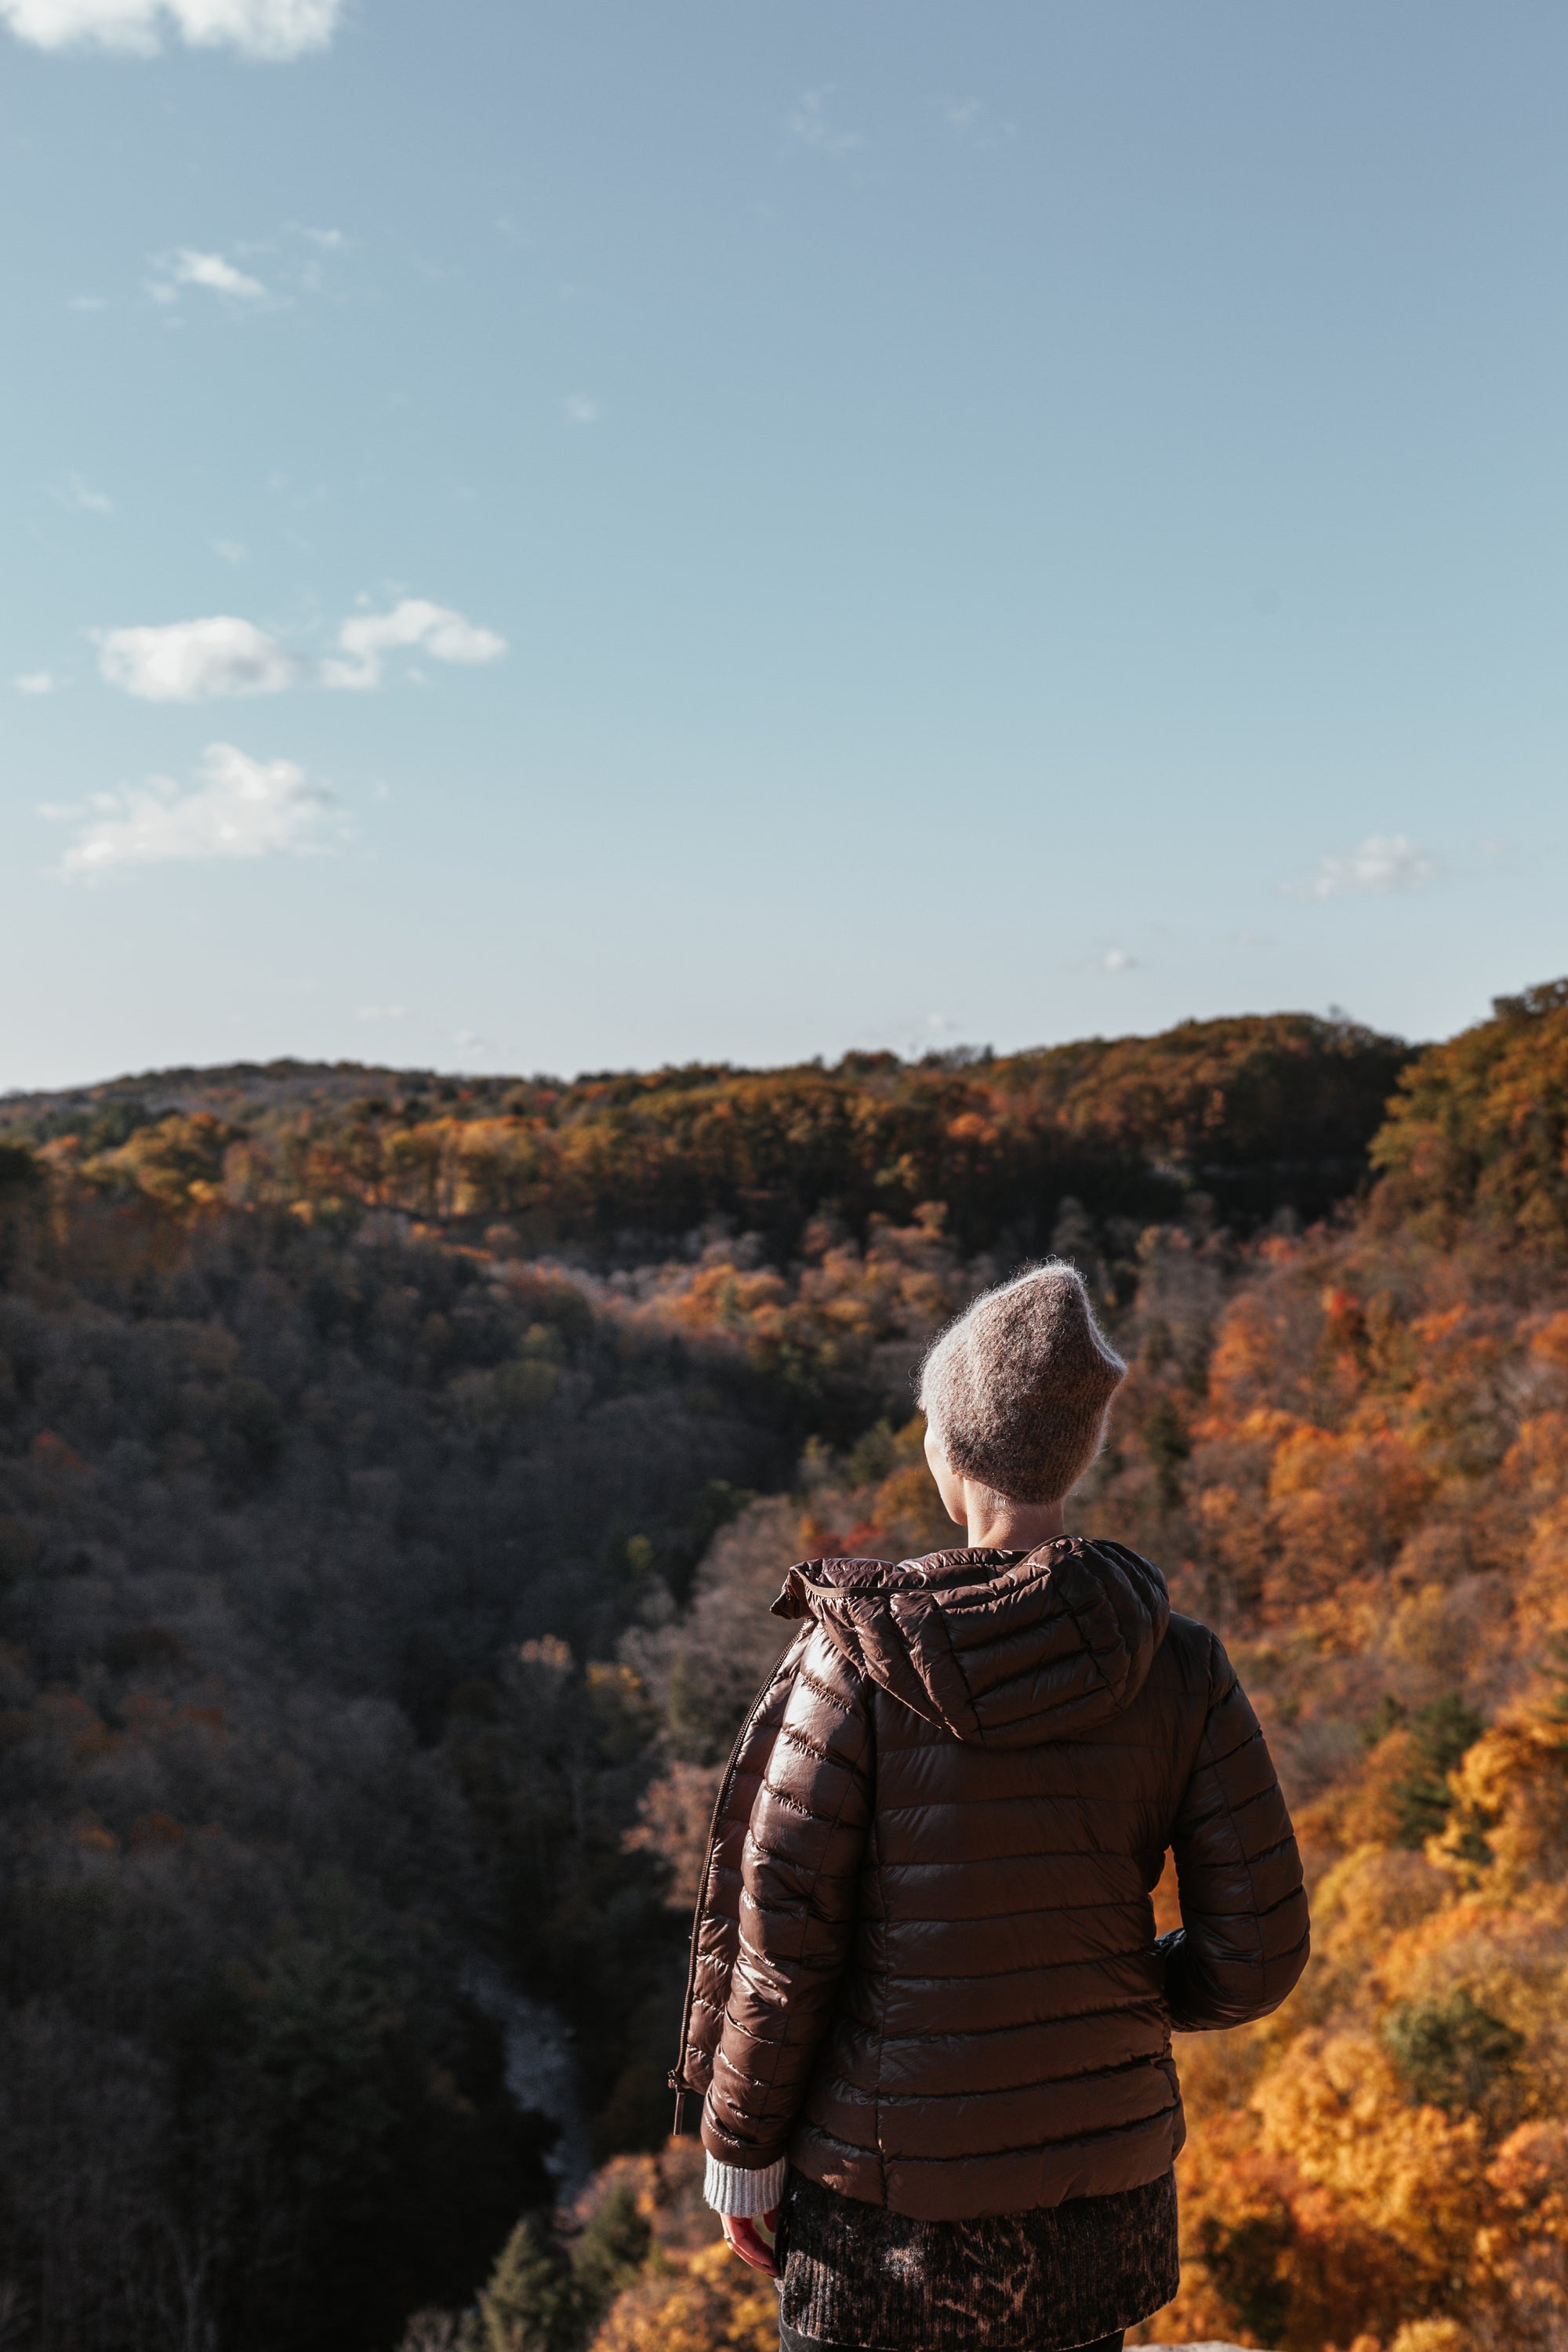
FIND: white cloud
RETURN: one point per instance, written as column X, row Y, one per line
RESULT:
column 37, row 681
column 297, row 263
column 1109, row 959
column 1384, row 862
column 87, row 302
column 271, row 30
column 807, row 122
column 970, row 120
column 444, row 635
column 233, row 550
column 380, row 1011
column 208, row 271
column 194, row 661
column 77, row 498
column 198, row 661
column 582, row 408
column 240, row 808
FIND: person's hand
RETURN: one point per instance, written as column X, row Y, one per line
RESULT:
column 743, row 2238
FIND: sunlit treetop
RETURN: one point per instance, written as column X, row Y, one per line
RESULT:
column 1479, row 1127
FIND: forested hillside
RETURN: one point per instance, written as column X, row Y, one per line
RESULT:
column 393, row 1475
column 1262, row 1113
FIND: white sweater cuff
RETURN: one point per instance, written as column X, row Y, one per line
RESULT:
column 730, row 2189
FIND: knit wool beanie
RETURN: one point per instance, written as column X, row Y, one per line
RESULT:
column 1016, row 1390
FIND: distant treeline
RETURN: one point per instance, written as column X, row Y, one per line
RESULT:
column 1259, row 1114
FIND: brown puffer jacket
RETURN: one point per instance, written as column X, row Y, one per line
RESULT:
column 925, row 1963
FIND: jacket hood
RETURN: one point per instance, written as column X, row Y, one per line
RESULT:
column 1002, row 1649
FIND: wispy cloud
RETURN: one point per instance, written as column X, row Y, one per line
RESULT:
column 433, row 629
column 971, row 120
column 1384, row 862
column 172, row 273
column 37, row 681
column 807, row 122
column 233, row 550
column 380, row 1011
column 88, row 302
column 239, row 807
column 582, row 408
column 1107, row 959
column 78, row 497
column 206, row 660
column 271, row 30
column 260, row 274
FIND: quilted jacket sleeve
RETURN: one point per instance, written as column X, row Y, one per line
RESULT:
column 1243, row 1940
column 799, row 1871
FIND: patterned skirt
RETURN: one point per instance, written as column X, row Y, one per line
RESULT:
column 857, row 2277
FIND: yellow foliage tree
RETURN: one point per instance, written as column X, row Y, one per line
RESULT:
column 1336, row 2109
column 707, row 2302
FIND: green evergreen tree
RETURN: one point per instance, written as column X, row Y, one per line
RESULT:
column 607, row 2256
column 528, row 2306
column 1440, row 1734
column 1451, row 2053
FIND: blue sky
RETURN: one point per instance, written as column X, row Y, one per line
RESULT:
column 553, row 536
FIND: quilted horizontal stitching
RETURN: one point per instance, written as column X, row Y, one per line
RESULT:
column 1196, row 1822
column 739, row 2075
column 1032, row 2148
column 1021, row 2025
column 1057, row 1800
column 1206, row 1870
column 901, row 1921
column 793, row 1862
column 810, row 1683
column 1221, row 1756
column 798, row 1738
column 1277, row 1959
column 1218, row 1918
column 1280, row 1846
column 1147, row 2062
column 1114, row 1877
column 1247, row 1805
column 1058, row 1755
column 998, row 1857
column 790, row 1805
column 820, row 2133
column 1033, row 1967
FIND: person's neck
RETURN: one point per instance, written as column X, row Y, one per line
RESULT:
column 997, row 1525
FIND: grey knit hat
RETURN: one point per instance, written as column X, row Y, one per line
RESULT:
column 1015, row 1391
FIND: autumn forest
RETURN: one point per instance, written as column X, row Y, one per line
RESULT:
column 394, row 1474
